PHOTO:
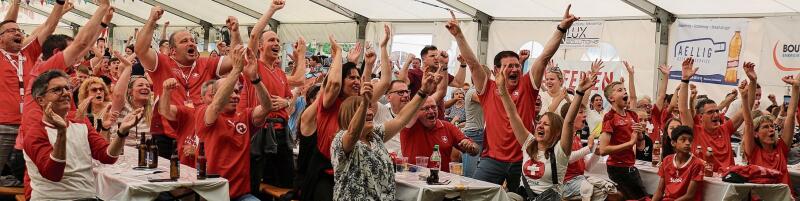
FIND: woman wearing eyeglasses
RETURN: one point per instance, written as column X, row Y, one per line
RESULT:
column 94, row 102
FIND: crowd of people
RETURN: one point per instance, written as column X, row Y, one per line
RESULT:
column 79, row 101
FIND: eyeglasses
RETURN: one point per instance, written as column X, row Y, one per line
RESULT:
column 60, row 90
column 12, row 30
column 97, row 90
column 426, row 108
column 400, row 92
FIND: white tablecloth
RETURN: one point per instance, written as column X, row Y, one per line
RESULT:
column 714, row 188
column 410, row 187
column 121, row 182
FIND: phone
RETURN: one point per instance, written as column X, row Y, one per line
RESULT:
column 786, row 99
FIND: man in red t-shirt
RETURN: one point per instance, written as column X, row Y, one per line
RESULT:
column 182, row 63
column 620, row 133
column 681, row 173
column 709, row 128
column 501, row 158
column 226, row 130
column 20, row 55
column 419, row 138
column 432, row 58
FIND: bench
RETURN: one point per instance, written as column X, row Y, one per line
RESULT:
column 273, row 191
column 16, row 192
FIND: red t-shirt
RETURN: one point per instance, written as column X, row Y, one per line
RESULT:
column 419, row 141
column 499, row 142
column 327, row 125
column 415, row 80
column 719, row 141
column 10, row 113
column 190, row 82
column 620, row 129
column 578, row 167
column 677, row 179
column 658, row 117
column 227, row 144
column 185, row 125
column 277, row 85
column 774, row 160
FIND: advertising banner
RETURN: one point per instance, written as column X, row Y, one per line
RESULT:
column 716, row 46
column 583, row 34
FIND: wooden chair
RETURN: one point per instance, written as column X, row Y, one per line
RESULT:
column 274, row 191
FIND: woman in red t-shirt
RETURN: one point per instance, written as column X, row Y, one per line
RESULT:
column 761, row 146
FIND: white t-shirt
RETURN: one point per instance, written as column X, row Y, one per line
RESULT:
column 538, row 173
column 384, row 113
column 595, row 120
column 547, row 99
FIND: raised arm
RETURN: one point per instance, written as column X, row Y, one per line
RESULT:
column 537, row 70
column 479, row 77
column 165, row 107
column 354, row 132
column 403, row 74
column 386, row 66
column 164, row 31
column 749, row 69
column 298, row 77
column 13, row 10
column 45, row 30
column 226, row 88
column 88, row 33
column 632, row 100
column 748, row 138
column 568, row 130
column 511, row 109
column 308, row 120
column 788, row 123
column 333, row 83
column 393, row 126
column 121, row 88
column 369, row 64
column 662, row 86
column 687, row 72
column 461, row 75
column 233, row 25
column 147, row 56
column 251, row 71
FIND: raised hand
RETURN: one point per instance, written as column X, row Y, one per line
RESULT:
column 131, row 120
column 366, row 91
column 524, row 54
column 550, row 65
column 597, row 65
column 299, row 48
column 238, row 58
column 568, row 19
column 461, row 60
column 232, row 23
column 771, row 98
column 170, row 84
column 110, row 117
column 109, row 15
column 370, row 56
column 429, row 83
column 628, row 67
column 104, row 2
column 743, row 88
column 500, row 79
column 277, row 5
column 688, row 70
column 749, row 69
column 166, row 24
column 664, row 69
column 53, row 119
column 588, row 80
column 335, row 48
column 156, row 12
column 352, row 56
column 68, row 6
column 693, row 89
column 792, row 80
column 251, row 64
column 387, row 34
column 452, row 25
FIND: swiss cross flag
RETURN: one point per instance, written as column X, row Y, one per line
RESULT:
column 533, row 169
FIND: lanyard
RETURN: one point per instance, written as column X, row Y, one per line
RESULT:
column 19, row 66
column 185, row 77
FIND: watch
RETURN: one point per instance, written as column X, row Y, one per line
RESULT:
column 562, row 30
column 256, row 81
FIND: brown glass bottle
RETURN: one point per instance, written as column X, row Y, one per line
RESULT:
column 201, row 162
column 174, row 163
column 153, row 154
column 142, row 151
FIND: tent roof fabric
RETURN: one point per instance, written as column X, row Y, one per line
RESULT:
column 309, row 11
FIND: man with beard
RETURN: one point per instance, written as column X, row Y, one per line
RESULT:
column 501, row 158
column 19, row 57
column 272, row 144
column 183, row 63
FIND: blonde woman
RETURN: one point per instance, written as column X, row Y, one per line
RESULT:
column 130, row 94
column 94, row 103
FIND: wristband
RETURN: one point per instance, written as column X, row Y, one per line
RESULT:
column 256, row 81
column 104, row 25
column 120, row 134
column 422, row 95
column 562, row 30
column 61, row 2
column 463, row 65
column 580, row 93
column 685, row 81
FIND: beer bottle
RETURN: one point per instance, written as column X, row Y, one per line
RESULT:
column 174, row 163
column 142, row 151
column 656, row 153
column 709, row 166
column 153, row 154
column 201, row 162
